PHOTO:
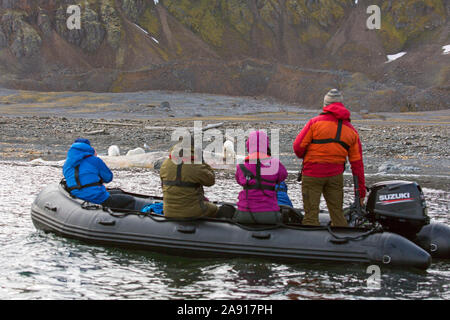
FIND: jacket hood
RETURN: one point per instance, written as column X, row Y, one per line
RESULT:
column 77, row 152
column 338, row 110
column 258, row 141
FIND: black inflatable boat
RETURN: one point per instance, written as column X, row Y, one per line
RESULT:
column 54, row 210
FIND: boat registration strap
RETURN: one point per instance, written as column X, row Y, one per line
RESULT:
column 249, row 176
column 79, row 186
column 337, row 139
column 178, row 182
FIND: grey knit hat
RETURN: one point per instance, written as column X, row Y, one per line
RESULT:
column 334, row 95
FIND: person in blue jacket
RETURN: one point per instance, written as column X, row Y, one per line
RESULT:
column 282, row 195
column 85, row 174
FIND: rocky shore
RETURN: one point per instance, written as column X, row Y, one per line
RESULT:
column 43, row 125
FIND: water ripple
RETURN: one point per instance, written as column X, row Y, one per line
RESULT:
column 36, row 265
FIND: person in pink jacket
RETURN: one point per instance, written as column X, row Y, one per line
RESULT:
column 259, row 174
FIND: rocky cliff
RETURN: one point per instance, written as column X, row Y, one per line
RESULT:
column 294, row 50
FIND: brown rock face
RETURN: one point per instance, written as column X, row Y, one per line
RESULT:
column 24, row 40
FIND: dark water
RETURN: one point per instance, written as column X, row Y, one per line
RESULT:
column 43, row 266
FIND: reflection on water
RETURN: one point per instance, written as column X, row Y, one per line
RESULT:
column 44, row 266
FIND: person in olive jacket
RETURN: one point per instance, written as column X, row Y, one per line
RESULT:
column 182, row 183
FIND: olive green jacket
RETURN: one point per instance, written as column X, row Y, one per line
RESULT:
column 183, row 202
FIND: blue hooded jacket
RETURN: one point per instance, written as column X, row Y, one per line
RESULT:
column 92, row 169
column 283, row 197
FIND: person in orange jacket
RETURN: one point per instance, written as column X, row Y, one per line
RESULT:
column 324, row 144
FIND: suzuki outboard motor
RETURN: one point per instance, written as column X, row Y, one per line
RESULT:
column 399, row 206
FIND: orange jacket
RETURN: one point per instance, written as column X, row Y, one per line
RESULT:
column 324, row 153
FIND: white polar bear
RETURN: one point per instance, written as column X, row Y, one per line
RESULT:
column 114, row 151
column 228, row 150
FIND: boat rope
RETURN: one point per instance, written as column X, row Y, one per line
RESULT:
column 373, row 230
column 122, row 213
column 90, row 206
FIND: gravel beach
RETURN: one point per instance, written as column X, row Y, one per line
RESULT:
column 393, row 143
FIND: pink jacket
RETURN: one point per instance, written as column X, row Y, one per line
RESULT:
column 272, row 169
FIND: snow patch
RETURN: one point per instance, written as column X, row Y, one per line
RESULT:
column 142, row 29
column 146, row 32
column 394, row 57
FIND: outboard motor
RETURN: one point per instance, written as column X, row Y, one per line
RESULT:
column 399, row 206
